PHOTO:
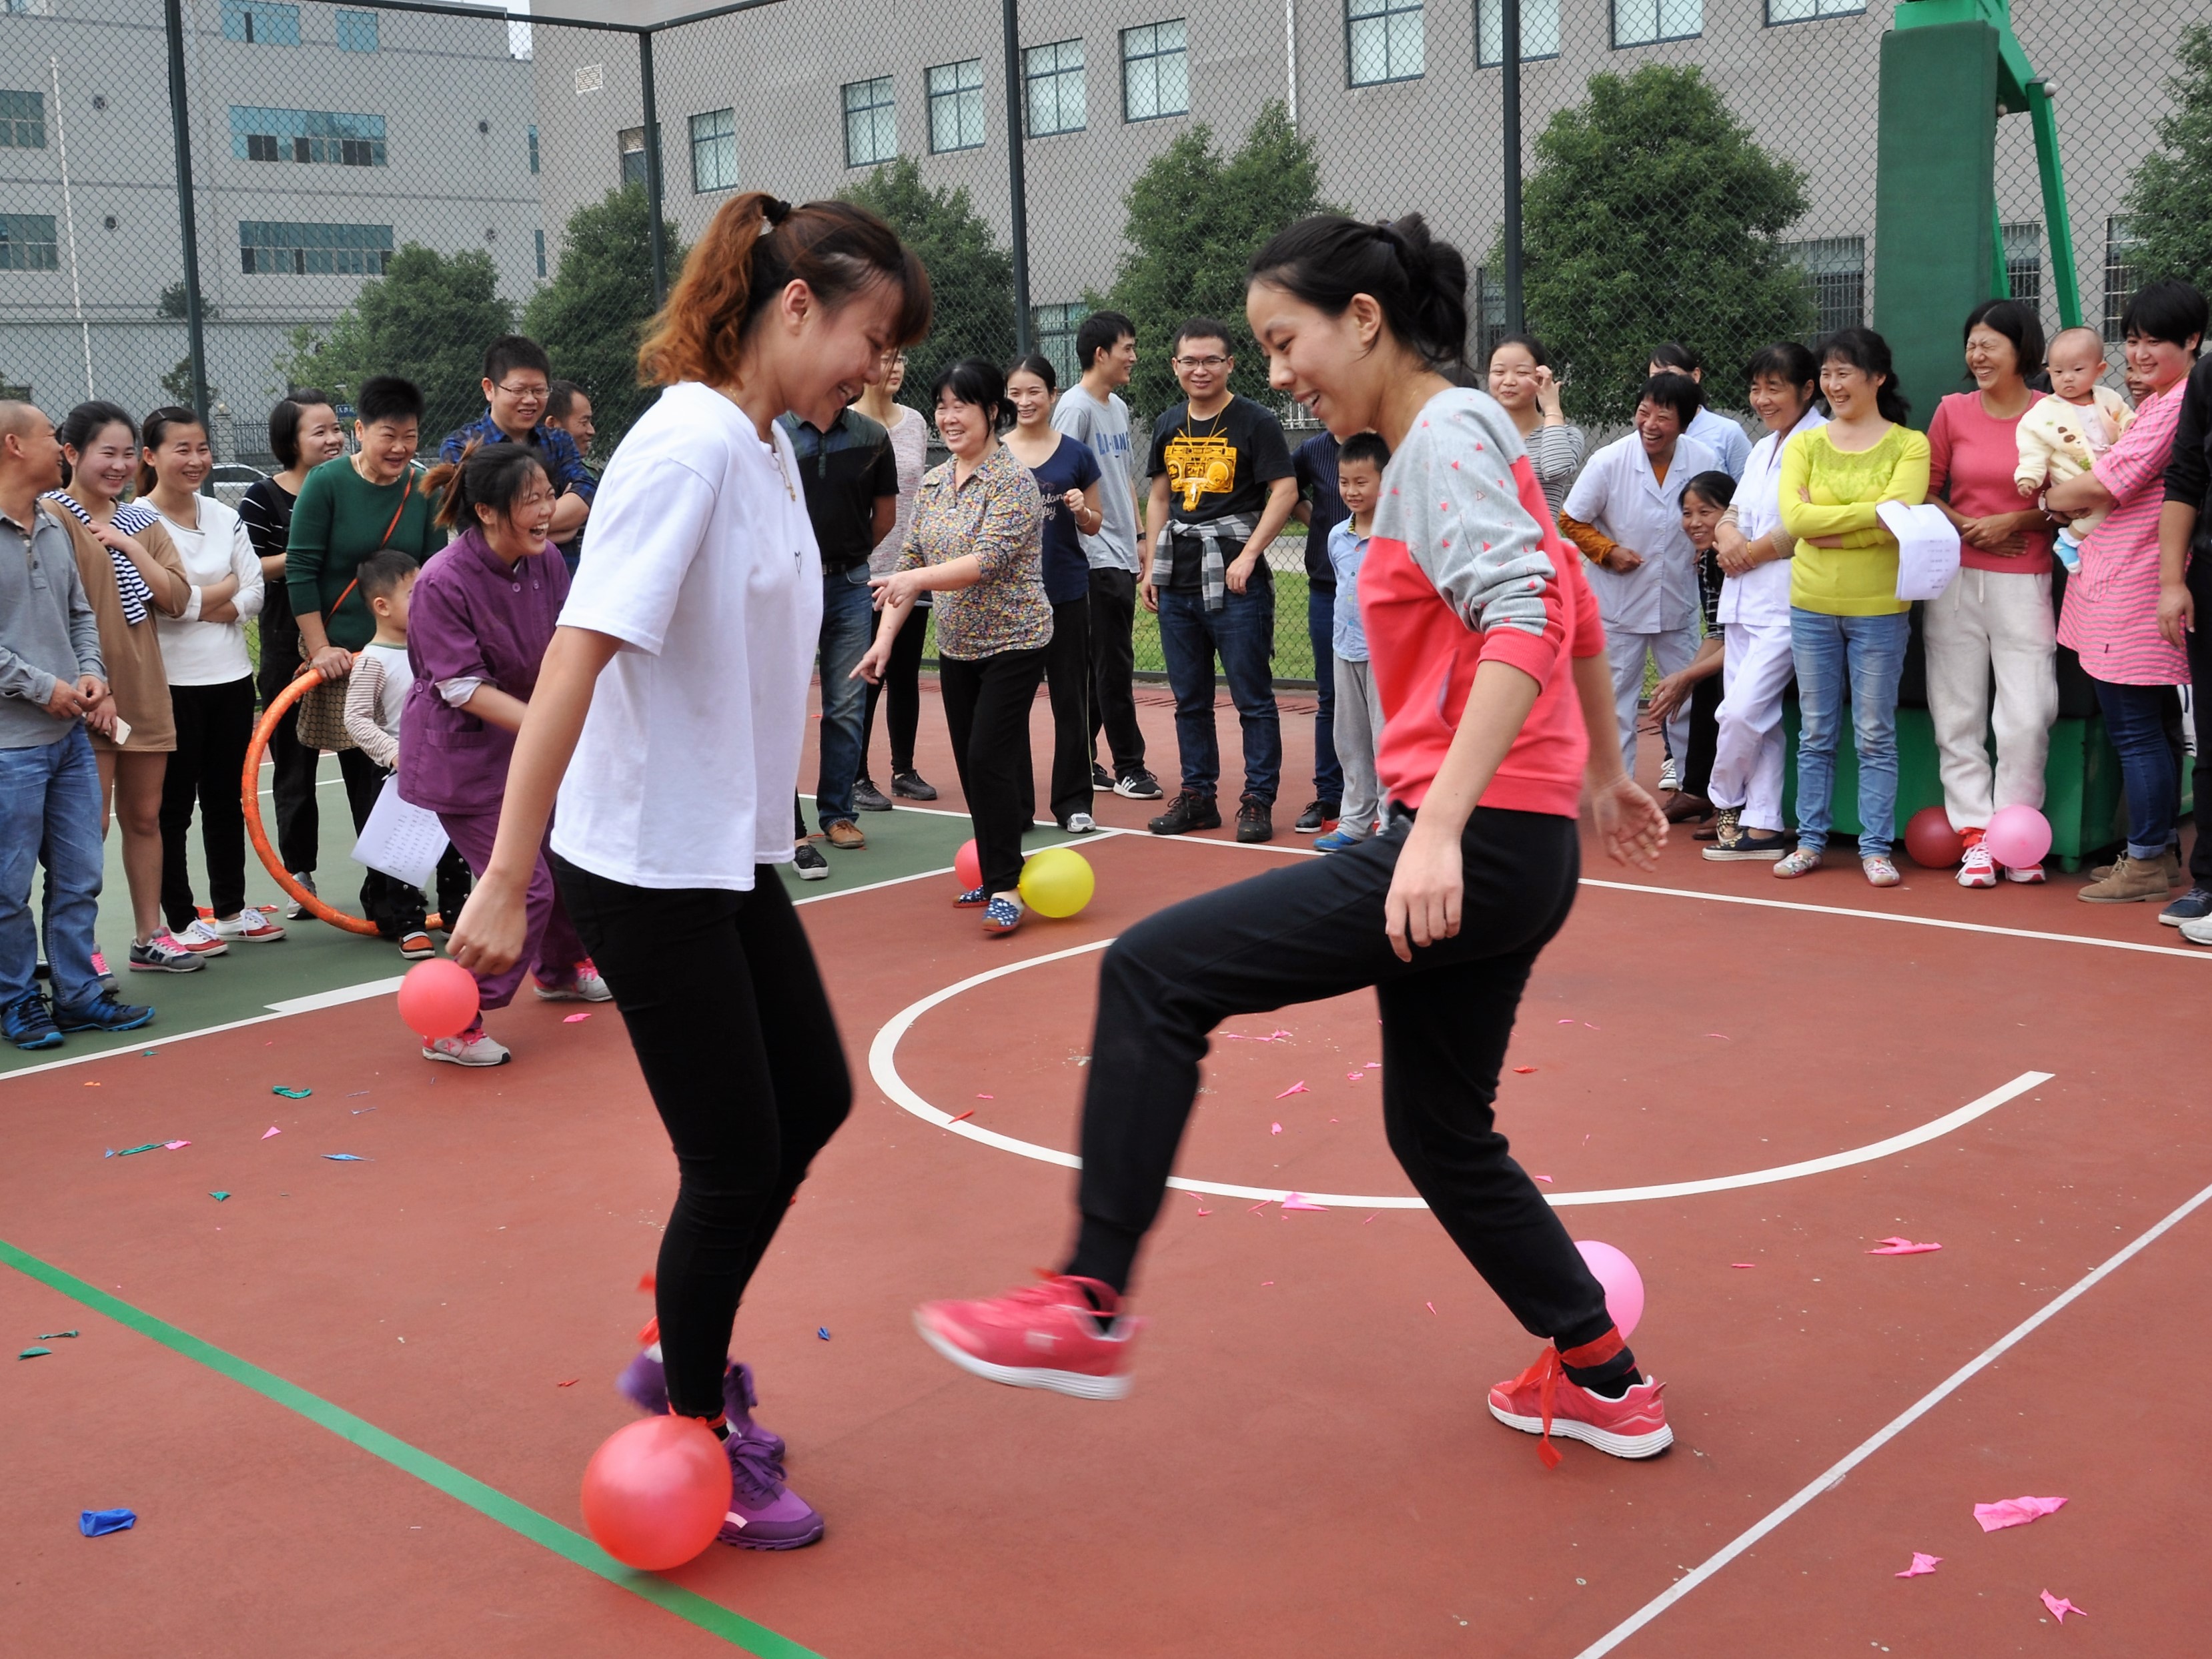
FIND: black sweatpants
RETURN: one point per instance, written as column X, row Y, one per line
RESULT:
column 1315, row 930
column 1705, row 735
column 299, row 826
column 1113, row 664
column 214, row 725
column 1067, row 683
column 2200, row 680
column 986, row 708
column 901, row 685
column 748, row 1096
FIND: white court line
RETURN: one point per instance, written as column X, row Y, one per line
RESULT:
column 306, row 1005
column 883, row 1065
column 1833, row 1475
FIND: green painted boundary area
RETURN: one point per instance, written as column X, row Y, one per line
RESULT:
column 709, row 1616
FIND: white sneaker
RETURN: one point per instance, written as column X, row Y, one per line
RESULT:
column 1670, row 776
column 1081, row 823
column 254, row 926
column 2199, row 931
column 469, row 1048
column 586, row 987
column 293, row 910
column 202, row 940
column 2028, row 874
column 1978, row 869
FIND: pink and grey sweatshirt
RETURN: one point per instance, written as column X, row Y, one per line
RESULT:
column 1465, row 566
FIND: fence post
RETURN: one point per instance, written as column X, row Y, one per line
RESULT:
column 652, row 183
column 187, row 225
column 1017, row 186
column 1511, row 17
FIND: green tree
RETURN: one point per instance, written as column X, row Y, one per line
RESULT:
column 1651, row 214
column 971, row 276
column 1194, row 217
column 592, row 316
column 2169, row 201
column 428, row 318
column 172, row 304
column 177, row 384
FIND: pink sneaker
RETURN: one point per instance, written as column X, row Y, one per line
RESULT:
column 472, row 1047
column 1006, row 1339
column 1541, row 1401
column 1978, row 868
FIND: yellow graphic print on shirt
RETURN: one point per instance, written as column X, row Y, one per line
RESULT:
column 1200, row 466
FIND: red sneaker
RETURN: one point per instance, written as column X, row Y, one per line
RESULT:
column 1009, row 1339
column 1541, row 1401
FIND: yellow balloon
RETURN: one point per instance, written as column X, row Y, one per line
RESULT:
column 1057, row 881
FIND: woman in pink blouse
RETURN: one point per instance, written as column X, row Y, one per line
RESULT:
column 2111, row 615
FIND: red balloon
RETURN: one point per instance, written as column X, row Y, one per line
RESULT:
column 656, row 1492
column 1931, row 840
column 438, row 999
column 967, row 867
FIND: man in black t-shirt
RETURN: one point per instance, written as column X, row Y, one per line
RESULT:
column 1223, row 486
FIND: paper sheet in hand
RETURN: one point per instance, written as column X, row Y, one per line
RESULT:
column 404, row 842
column 1927, row 549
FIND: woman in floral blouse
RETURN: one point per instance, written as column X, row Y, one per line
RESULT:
column 976, row 543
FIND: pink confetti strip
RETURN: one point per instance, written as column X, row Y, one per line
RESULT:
column 1522, row 1070
column 574, row 1019
column 1432, row 1307
column 1921, row 1566
column 1544, row 1178
column 1743, row 1264
column 2015, row 1511
column 1899, row 1246
column 1297, row 1088
column 1300, row 1202
column 272, row 1130
column 2060, row 1607
column 1274, row 1128
column 174, row 1145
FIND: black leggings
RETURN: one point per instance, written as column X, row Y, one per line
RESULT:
column 986, row 708
column 1067, row 682
column 214, row 724
column 298, row 825
column 1315, row 930
column 901, row 683
column 749, row 1091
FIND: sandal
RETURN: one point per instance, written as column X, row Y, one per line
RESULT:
column 1802, row 862
column 1880, row 872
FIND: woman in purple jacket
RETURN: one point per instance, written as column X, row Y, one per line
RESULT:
column 482, row 615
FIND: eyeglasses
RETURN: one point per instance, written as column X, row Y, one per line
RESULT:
column 1202, row 362
column 533, row 393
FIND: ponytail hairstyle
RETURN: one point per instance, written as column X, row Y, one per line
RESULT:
column 158, row 426
column 487, row 475
column 1419, row 284
column 87, row 422
column 284, row 423
column 1869, row 352
column 1038, row 364
column 754, row 248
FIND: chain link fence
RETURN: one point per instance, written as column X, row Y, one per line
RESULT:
column 380, row 188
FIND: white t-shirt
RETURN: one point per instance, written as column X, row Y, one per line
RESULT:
column 701, row 562
column 196, row 652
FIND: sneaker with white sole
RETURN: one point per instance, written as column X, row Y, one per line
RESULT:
column 808, row 864
column 162, row 954
column 472, row 1047
column 2028, row 875
column 1978, row 868
column 254, row 926
column 1881, row 871
column 585, row 986
column 293, row 910
column 1670, row 775
column 764, row 1514
column 417, row 947
column 1802, row 862
column 1046, row 1335
column 1543, row 1401
column 1138, row 786
column 1081, row 823
column 202, row 940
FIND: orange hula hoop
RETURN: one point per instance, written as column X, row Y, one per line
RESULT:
column 250, row 792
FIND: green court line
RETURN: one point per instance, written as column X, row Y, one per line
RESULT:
column 709, row 1616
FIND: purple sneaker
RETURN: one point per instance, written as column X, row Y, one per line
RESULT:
column 644, row 1383
column 764, row 1514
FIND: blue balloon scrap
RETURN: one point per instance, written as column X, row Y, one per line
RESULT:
column 98, row 1523
column 345, row 1157
column 823, row 1332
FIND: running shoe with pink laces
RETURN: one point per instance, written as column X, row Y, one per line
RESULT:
column 1045, row 1335
column 1978, row 868
column 584, row 984
column 472, row 1047
column 1542, row 1401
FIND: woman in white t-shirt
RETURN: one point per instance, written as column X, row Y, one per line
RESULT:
column 674, row 699
column 210, row 687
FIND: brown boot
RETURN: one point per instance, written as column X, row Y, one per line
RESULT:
column 2129, row 881
column 2169, row 865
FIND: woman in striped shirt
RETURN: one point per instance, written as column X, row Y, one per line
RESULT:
column 2111, row 614
column 1520, row 380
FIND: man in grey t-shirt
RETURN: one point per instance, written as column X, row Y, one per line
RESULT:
column 1091, row 414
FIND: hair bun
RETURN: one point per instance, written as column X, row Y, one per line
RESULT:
column 775, row 211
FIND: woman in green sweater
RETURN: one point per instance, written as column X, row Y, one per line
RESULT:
column 1846, row 619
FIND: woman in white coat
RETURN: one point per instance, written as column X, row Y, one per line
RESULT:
column 1754, row 610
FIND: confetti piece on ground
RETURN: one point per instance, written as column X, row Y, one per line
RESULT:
column 1566, row 1022
column 1586, row 1026
column 92, row 1086
column 150, row 1146
column 345, row 1157
column 1725, row 1038
column 1265, row 1283
column 54, row 1336
column 110, row 1152
column 575, row 1018
column 645, row 1282
column 965, row 1115
column 2060, row 1607
column 1743, row 1264
column 173, row 1145
column 1274, row 1128
column 1432, row 1307
column 822, row 1331
column 2015, row 1511
column 1898, row 1246
column 356, row 1094
column 271, row 1130
column 1524, row 1070
column 1300, row 1202
column 218, row 1197
column 1921, row 1566
column 1261, row 1204
column 98, row 1523
column 291, row 1094
column 1206, row 1211
column 987, row 1096
column 1297, row 1088
column 1353, row 1077
column 33, row 1354
column 149, row 1054
column 568, row 1382
column 358, row 1110
column 1544, row 1178
column 1371, row 1217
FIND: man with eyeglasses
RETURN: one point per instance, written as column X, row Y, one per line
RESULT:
column 1223, row 486
column 518, row 380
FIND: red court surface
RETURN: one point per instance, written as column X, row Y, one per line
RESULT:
column 1305, row 1465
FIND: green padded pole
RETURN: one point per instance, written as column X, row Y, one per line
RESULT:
column 2044, row 119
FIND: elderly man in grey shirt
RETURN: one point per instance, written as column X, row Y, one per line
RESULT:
column 52, row 679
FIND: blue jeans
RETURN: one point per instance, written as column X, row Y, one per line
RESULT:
column 50, row 813
column 1320, row 628
column 1242, row 634
column 1868, row 652
column 2135, row 719
column 848, row 610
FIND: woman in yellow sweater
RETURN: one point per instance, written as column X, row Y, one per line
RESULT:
column 1847, row 623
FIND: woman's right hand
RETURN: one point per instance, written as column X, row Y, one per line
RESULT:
column 1547, row 394
column 332, row 662
column 872, row 662
column 489, row 937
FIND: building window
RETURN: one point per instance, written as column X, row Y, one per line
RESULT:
column 2119, row 272
column 28, row 242
column 1052, row 87
column 258, row 22
column 630, row 141
column 541, row 253
column 356, row 30
column 22, row 120
column 1155, row 71
column 1055, row 328
column 1489, row 312
column 1539, row 30
column 533, row 150
column 870, row 123
column 1383, row 41
column 714, row 151
column 306, row 135
column 267, row 248
column 956, row 106
column 1647, row 22
column 2023, row 257
column 1834, row 268
column 1807, row 11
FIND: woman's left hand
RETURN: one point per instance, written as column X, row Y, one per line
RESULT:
column 1669, row 695
column 1073, row 501
column 1427, row 892
column 1631, row 825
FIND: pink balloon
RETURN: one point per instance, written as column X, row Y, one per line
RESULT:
column 967, row 867
column 1624, row 1285
column 438, row 999
column 2018, row 836
column 656, row 1492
